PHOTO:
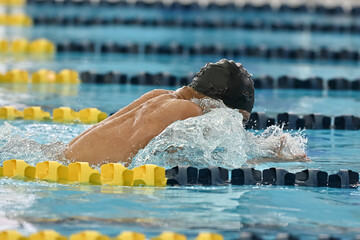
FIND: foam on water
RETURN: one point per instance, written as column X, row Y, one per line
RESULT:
column 219, row 138
column 16, row 143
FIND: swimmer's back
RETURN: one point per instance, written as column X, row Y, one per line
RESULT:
column 119, row 138
column 137, row 102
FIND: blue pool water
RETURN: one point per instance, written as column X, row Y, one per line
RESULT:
column 213, row 14
column 188, row 210
column 228, row 210
column 189, row 37
column 266, row 210
column 182, row 65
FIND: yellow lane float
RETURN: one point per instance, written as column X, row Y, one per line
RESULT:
column 47, row 235
column 62, row 114
column 13, row 3
column 128, row 235
column 41, row 46
column 113, row 174
column 67, row 76
column 10, row 113
column 22, row 46
column 94, row 235
column 43, row 76
column 169, row 236
column 15, row 76
column 36, row 114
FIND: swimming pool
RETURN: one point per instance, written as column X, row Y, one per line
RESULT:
column 265, row 210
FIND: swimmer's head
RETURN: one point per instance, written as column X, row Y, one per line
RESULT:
column 228, row 81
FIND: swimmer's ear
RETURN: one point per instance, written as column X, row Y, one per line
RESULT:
column 245, row 114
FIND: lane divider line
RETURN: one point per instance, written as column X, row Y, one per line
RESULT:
column 115, row 174
column 195, row 6
column 178, row 49
column 65, row 76
column 42, row 76
column 18, row 19
column 60, row 115
column 22, row 46
column 256, row 24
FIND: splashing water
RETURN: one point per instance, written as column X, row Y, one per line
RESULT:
column 15, row 143
column 218, row 138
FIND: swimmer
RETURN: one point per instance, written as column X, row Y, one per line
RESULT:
column 119, row 137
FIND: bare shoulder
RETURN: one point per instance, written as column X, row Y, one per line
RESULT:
column 184, row 108
column 157, row 92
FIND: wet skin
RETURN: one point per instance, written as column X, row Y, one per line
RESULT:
column 119, row 137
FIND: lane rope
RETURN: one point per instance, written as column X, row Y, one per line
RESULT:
column 59, row 115
column 42, row 76
column 129, row 235
column 260, row 82
column 262, row 51
column 256, row 24
column 45, row 47
column 293, row 121
column 22, row 46
column 194, row 6
column 67, row 76
column 91, row 235
column 115, row 174
column 18, row 19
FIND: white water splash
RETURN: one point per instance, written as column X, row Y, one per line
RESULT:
column 218, row 138
column 15, row 143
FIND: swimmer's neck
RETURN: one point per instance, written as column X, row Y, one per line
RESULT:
column 188, row 93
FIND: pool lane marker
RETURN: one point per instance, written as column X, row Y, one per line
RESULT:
column 61, row 115
column 42, row 76
column 87, row 115
column 254, row 24
column 260, row 82
column 291, row 121
column 130, row 235
column 94, row 235
column 18, row 19
column 115, row 174
column 23, row 47
column 12, row 3
column 298, row 8
column 178, row 49
column 67, row 76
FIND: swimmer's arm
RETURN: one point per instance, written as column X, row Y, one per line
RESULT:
column 279, row 157
column 128, row 108
column 278, row 154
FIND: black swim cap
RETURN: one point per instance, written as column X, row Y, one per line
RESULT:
column 227, row 81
